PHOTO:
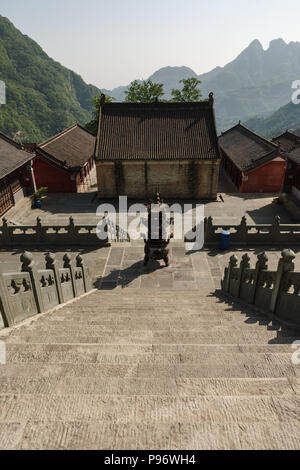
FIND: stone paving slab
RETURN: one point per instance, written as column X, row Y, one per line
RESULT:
column 94, row 435
column 152, row 409
column 88, row 370
column 136, row 322
column 149, row 386
column 139, row 349
column 156, row 337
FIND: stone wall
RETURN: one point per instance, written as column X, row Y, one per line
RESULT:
column 276, row 292
column 141, row 180
column 32, row 291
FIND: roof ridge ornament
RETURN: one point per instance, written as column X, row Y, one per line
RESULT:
column 211, row 98
column 102, row 99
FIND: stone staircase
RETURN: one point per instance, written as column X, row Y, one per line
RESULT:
column 147, row 369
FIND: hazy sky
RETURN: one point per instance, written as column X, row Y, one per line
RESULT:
column 111, row 42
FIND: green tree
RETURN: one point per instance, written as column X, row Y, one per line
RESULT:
column 144, row 92
column 189, row 92
column 92, row 126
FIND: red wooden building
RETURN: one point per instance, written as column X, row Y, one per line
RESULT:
column 254, row 164
column 293, row 172
column 63, row 163
column 16, row 179
column 290, row 145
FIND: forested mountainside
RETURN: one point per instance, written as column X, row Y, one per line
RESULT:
column 43, row 97
column 286, row 117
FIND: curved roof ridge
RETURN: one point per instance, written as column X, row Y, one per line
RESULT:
column 241, row 126
column 57, row 136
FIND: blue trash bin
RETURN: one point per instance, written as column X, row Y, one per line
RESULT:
column 225, row 240
column 38, row 204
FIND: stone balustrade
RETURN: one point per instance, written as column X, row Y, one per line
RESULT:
column 49, row 235
column 275, row 234
column 40, row 235
column 32, row 291
column 277, row 292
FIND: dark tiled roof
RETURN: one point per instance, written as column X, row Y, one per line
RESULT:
column 157, row 131
column 73, row 147
column 288, row 141
column 246, row 149
column 294, row 155
column 12, row 156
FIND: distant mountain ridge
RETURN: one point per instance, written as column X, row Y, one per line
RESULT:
column 43, row 97
column 257, row 82
column 285, row 118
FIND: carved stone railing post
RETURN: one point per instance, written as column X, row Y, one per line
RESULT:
column 28, row 266
column 51, row 263
column 244, row 264
column 4, row 304
column 232, row 264
column 285, row 265
column 275, row 234
column 208, row 229
column 85, row 272
column 39, row 230
column 69, row 265
column 6, row 232
column 242, row 230
column 72, row 229
column 261, row 264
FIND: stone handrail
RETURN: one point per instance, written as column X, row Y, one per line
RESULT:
column 277, row 292
column 275, row 234
column 58, row 235
column 49, row 235
column 39, row 235
column 32, row 291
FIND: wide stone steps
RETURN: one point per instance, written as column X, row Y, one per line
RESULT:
column 272, row 368
column 238, row 365
column 216, row 335
column 165, row 321
column 150, row 369
column 91, row 355
column 175, row 386
column 158, row 328
column 150, row 320
column 150, row 409
column 95, row 435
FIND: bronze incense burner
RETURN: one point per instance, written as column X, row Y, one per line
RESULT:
column 156, row 244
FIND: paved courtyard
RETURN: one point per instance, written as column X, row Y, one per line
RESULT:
column 57, row 208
